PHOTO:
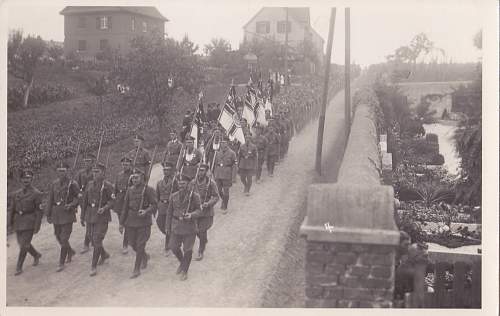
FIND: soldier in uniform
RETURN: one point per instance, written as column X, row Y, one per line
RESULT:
column 164, row 189
column 284, row 134
column 26, row 218
column 61, row 211
column 140, row 157
column 121, row 184
column 272, row 149
column 174, row 148
column 209, row 196
column 183, row 209
column 225, row 160
column 97, row 203
column 190, row 159
column 136, row 218
column 247, row 162
column 261, row 142
column 83, row 177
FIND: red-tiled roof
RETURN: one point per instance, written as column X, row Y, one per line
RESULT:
column 151, row 12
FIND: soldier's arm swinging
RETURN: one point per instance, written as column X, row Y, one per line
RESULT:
column 50, row 203
column 38, row 211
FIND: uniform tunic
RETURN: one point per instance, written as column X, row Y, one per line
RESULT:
column 143, row 159
column 122, row 182
column 26, row 214
column 164, row 188
column 95, row 193
column 179, row 203
column 207, row 190
column 190, row 162
column 56, row 213
column 247, row 158
column 223, row 166
column 173, row 151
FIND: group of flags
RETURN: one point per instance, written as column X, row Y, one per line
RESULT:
column 255, row 104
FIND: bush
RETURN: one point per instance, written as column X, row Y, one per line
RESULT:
column 39, row 95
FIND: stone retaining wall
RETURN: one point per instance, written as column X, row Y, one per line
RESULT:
column 350, row 230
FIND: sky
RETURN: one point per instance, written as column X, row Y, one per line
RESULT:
column 376, row 29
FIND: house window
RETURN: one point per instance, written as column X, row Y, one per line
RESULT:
column 263, row 27
column 103, row 44
column 282, row 26
column 81, row 22
column 82, row 45
column 133, row 24
column 144, row 27
column 103, row 22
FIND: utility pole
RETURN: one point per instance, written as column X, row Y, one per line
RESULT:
column 286, row 50
column 321, row 124
column 347, row 72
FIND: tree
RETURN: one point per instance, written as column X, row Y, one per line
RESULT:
column 189, row 47
column 23, row 56
column 55, row 52
column 217, row 50
column 156, row 69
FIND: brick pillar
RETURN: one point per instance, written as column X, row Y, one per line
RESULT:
column 351, row 246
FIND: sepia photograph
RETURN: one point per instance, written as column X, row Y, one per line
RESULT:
column 250, row 154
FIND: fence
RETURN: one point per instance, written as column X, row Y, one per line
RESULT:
column 464, row 291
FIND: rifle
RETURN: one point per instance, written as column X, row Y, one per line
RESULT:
column 73, row 170
column 100, row 146
column 102, row 186
column 148, row 174
column 190, row 197
column 135, row 158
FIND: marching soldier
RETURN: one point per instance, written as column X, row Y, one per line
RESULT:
column 209, row 196
column 61, row 211
column 186, row 124
column 96, row 206
column 138, row 207
column 225, row 160
column 140, row 157
column 284, row 134
column 174, row 148
column 164, row 189
column 83, row 177
column 26, row 218
column 247, row 163
column 272, row 149
column 215, row 145
column 190, row 159
column 184, row 207
column 261, row 142
column 121, row 184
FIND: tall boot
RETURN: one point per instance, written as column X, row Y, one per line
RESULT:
column 178, row 253
column 185, row 264
column 62, row 258
column 137, row 265
column 95, row 258
column 104, row 255
column 36, row 255
column 20, row 261
column 201, row 250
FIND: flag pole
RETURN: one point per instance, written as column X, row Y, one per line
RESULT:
column 321, row 123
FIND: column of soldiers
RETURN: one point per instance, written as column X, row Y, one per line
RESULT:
column 182, row 202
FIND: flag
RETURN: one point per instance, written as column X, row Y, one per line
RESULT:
column 260, row 112
column 226, row 115
column 198, row 119
column 249, row 107
column 236, row 132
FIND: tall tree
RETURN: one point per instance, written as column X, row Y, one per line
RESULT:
column 218, row 49
column 156, row 69
column 23, row 57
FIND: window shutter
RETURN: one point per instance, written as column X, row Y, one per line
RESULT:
column 109, row 22
column 97, row 22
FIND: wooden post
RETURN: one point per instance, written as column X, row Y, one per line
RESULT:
column 321, row 123
column 286, row 51
column 347, row 72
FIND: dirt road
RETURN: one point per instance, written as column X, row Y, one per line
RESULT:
column 242, row 255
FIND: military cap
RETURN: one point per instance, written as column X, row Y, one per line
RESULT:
column 26, row 173
column 204, row 166
column 167, row 165
column 99, row 166
column 89, row 156
column 62, row 165
column 125, row 159
column 139, row 136
column 138, row 171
